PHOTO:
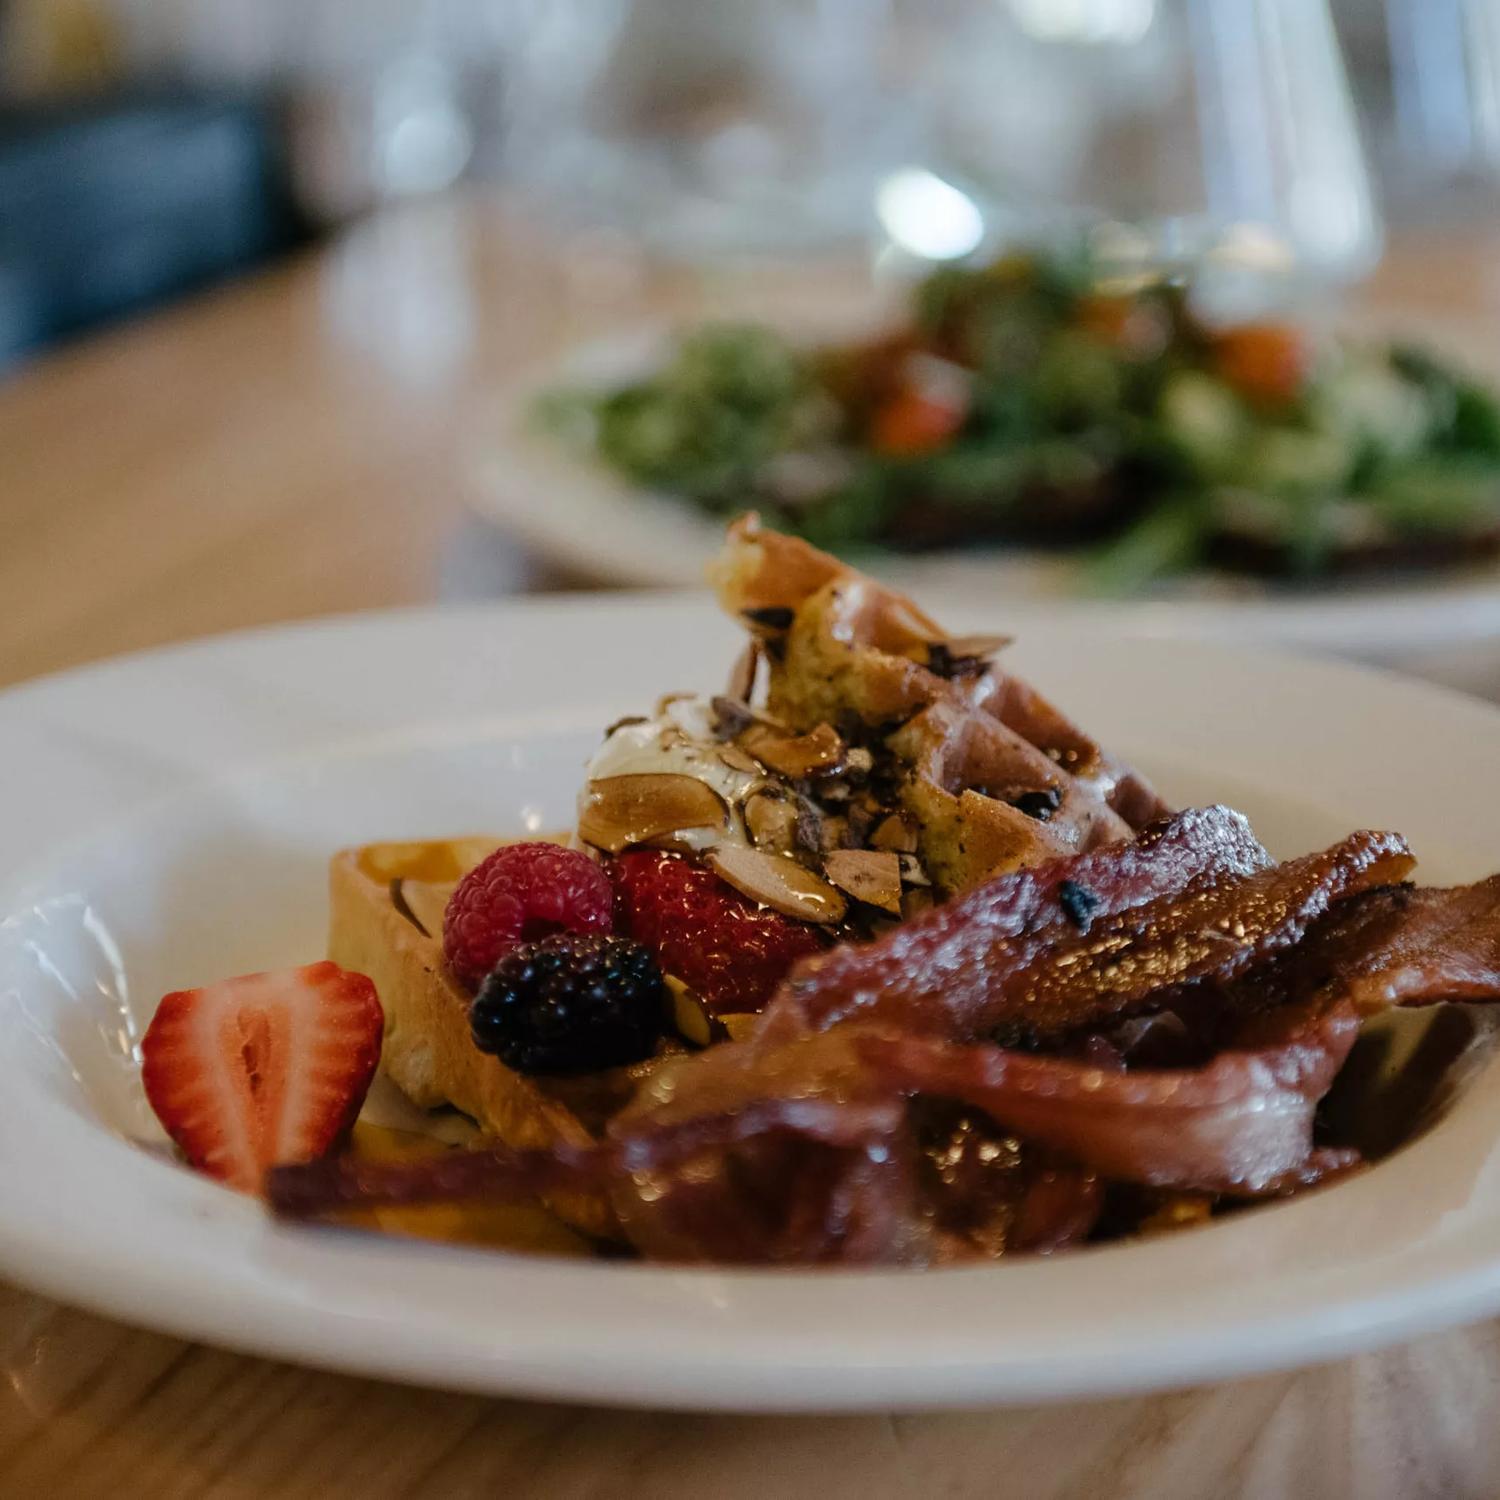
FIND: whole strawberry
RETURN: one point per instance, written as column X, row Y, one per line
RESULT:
column 721, row 944
column 521, row 893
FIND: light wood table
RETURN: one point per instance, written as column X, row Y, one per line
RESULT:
column 285, row 448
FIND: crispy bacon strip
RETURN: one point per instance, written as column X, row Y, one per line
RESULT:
column 1139, row 959
column 1242, row 1124
column 1407, row 946
column 942, row 972
column 311, row 1190
column 1061, row 1205
column 797, row 1145
column 781, row 1198
column 824, row 1178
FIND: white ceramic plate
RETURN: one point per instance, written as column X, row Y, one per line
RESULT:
column 580, row 516
column 166, row 820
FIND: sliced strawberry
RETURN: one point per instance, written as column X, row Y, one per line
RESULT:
column 264, row 1069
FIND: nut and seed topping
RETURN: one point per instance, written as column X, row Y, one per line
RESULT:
column 618, row 811
column 778, row 882
column 868, row 875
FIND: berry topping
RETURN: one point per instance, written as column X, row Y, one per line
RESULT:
column 519, row 894
column 265, row 1069
column 732, row 951
column 571, row 1003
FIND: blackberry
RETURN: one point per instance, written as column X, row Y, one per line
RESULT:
column 571, row 1003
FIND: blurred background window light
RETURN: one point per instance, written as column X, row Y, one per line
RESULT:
column 1117, row 22
column 928, row 217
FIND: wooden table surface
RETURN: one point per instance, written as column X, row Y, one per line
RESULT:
column 287, row 448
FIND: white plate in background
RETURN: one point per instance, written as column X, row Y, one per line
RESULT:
column 579, row 516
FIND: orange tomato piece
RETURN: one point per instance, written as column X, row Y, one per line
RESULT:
column 1133, row 325
column 911, row 423
column 1267, row 363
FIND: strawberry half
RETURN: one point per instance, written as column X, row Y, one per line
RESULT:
column 264, row 1069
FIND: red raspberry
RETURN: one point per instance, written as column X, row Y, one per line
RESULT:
column 519, row 894
column 718, row 942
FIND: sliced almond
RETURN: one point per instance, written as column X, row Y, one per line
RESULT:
column 977, row 647
column 667, row 700
column 795, row 756
column 692, row 1019
column 742, row 675
column 621, row 810
column 424, row 902
column 740, row 1024
column 777, row 882
column 772, row 820
column 869, row 875
column 897, row 833
column 737, row 760
column 732, row 716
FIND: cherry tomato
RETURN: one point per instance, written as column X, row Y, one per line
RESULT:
column 1267, row 363
column 1134, row 326
column 911, row 423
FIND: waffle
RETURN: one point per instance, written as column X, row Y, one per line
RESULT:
column 427, row 1052
column 972, row 748
column 995, row 777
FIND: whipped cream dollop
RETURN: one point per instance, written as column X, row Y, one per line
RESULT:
column 680, row 741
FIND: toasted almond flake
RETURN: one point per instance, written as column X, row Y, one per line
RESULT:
column 742, row 675
column 795, row 756
column 667, row 700
column 737, row 760
column 771, row 818
column 897, row 833
column 692, row 1019
column 777, row 882
column 740, row 1024
column 869, row 875
column 618, row 811
column 424, row 902
column 976, row 647
column 731, row 716
column 904, row 628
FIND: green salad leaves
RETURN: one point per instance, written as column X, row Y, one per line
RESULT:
column 1032, row 401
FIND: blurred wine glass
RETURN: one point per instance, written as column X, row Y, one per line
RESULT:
column 1444, row 68
column 1217, row 131
column 705, row 126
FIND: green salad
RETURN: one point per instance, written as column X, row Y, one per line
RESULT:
column 1030, row 401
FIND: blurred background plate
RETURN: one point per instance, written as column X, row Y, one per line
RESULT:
column 582, row 519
